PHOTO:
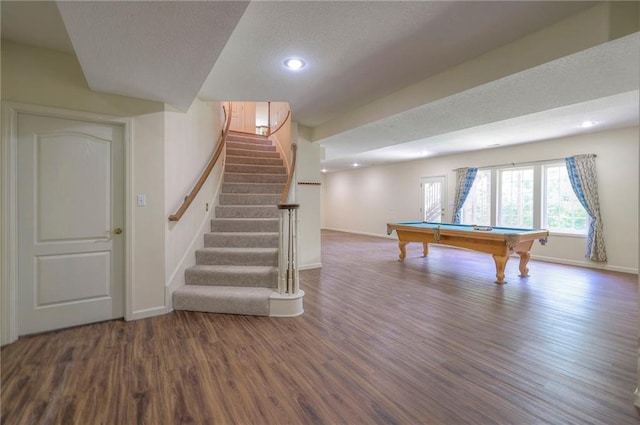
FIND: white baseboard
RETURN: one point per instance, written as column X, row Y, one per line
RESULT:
column 148, row 312
column 309, row 266
column 376, row 235
column 588, row 264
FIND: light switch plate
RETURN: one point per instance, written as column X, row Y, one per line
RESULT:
column 141, row 200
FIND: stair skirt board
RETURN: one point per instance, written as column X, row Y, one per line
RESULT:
column 237, row 270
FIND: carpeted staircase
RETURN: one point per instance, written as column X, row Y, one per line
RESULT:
column 236, row 271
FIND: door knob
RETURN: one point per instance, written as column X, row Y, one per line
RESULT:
column 117, row 231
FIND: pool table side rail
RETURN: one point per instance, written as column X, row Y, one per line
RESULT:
column 520, row 236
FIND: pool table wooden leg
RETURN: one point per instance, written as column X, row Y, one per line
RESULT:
column 501, row 262
column 524, row 260
column 403, row 250
column 425, row 249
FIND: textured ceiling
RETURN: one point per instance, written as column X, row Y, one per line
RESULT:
column 587, row 81
column 152, row 50
column 358, row 53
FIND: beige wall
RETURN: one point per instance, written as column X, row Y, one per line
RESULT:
column 364, row 200
column 45, row 77
column 308, row 196
column 190, row 139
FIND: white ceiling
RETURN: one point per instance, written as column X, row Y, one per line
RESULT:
column 356, row 52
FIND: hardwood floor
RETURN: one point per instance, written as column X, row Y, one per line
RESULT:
column 428, row 341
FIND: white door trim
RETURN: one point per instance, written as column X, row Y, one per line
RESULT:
column 443, row 193
column 9, row 225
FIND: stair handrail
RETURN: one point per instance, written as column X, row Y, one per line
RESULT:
column 269, row 132
column 287, row 187
column 205, row 173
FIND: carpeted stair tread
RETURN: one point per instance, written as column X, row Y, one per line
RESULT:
column 270, row 188
column 249, row 198
column 249, row 140
column 252, row 160
column 251, row 168
column 234, row 256
column 252, row 153
column 250, row 146
column 246, row 211
column 254, row 178
column 244, row 135
column 242, row 225
column 232, row 275
column 241, row 239
column 223, row 299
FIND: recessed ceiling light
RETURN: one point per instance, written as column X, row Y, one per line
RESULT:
column 294, row 64
column 587, row 124
column 355, row 164
column 324, row 170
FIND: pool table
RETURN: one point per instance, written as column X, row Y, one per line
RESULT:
column 498, row 241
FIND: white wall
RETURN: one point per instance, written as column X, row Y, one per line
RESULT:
column 190, row 140
column 364, row 200
column 45, row 77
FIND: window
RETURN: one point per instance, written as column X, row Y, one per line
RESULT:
column 477, row 206
column 515, row 200
column 561, row 212
column 535, row 196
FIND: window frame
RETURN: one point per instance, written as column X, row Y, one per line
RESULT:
column 499, row 199
column 539, row 185
column 544, row 209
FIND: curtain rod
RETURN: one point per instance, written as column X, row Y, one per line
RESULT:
column 513, row 164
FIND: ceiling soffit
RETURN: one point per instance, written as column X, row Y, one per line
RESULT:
column 603, row 71
column 153, row 50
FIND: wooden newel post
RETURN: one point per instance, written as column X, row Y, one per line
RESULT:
column 291, row 285
column 268, row 119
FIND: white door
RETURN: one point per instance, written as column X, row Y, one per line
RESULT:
column 433, row 198
column 250, row 117
column 237, row 116
column 70, row 223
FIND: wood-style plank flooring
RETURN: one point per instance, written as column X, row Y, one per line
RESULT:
column 428, row 341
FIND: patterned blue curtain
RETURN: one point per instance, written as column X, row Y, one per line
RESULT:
column 582, row 174
column 464, row 181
